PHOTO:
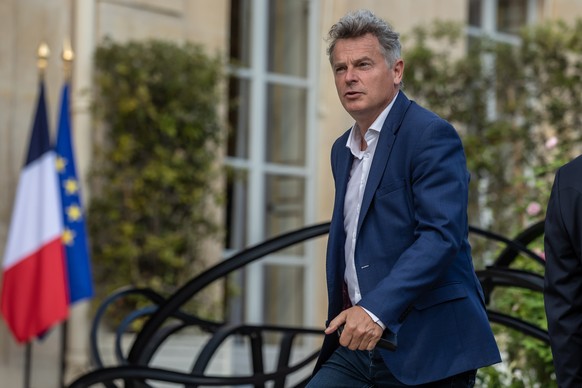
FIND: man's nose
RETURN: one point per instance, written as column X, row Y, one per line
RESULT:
column 351, row 76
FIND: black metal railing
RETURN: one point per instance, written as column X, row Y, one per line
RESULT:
column 134, row 369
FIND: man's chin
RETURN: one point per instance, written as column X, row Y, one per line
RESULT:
column 354, row 107
column 356, row 111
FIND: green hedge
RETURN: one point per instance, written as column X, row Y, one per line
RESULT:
column 154, row 173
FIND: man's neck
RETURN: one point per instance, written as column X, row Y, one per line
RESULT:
column 365, row 123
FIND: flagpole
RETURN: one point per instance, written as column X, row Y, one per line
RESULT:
column 42, row 56
column 27, row 364
column 64, row 345
column 67, row 56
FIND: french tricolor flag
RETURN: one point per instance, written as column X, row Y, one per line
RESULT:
column 34, row 285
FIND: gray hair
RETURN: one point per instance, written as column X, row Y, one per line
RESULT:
column 361, row 22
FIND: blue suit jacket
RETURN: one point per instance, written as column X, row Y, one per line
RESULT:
column 412, row 256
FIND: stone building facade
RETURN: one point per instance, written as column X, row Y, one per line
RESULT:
column 282, row 132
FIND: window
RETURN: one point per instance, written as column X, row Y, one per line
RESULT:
column 270, row 188
column 499, row 20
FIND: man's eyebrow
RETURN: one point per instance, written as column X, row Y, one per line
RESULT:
column 357, row 60
column 363, row 59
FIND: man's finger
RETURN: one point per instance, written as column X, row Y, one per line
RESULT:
column 335, row 323
column 371, row 344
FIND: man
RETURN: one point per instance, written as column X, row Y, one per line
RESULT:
column 563, row 276
column 399, row 263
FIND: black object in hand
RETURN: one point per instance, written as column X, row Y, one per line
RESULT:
column 387, row 341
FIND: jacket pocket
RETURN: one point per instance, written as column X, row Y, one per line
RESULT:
column 445, row 293
column 390, row 187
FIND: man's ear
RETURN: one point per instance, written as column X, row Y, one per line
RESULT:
column 398, row 70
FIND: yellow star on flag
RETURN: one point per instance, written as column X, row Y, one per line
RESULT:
column 74, row 212
column 71, row 186
column 68, row 237
column 61, row 163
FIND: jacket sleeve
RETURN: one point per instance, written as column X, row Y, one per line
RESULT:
column 439, row 185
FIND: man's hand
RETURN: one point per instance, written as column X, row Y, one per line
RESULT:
column 360, row 332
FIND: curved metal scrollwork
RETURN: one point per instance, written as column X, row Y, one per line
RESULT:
column 500, row 274
column 134, row 368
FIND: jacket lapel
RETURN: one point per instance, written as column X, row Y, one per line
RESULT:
column 383, row 150
column 343, row 175
column 342, row 159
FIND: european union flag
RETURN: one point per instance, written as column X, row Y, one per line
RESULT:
column 74, row 235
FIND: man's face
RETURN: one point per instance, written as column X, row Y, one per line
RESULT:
column 365, row 83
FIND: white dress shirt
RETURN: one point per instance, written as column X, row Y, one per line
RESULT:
column 354, row 194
